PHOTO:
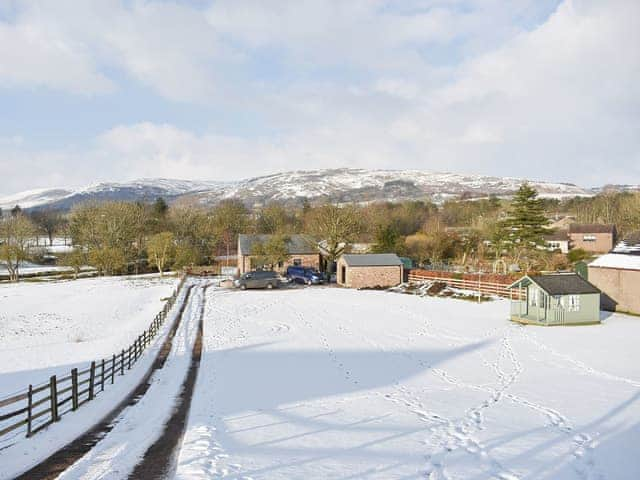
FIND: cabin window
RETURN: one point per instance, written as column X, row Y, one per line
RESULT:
column 297, row 262
column 589, row 238
column 572, row 303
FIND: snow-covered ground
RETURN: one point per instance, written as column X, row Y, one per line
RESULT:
column 123, row 309
column 46, row 328
column 332, row 383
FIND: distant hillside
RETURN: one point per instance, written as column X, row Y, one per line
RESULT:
column 335, row 185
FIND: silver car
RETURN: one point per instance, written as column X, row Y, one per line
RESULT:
column 258, row 279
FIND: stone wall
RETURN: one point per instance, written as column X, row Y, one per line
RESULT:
column 620, row 288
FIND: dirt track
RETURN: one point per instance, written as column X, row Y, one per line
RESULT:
column 58, row 462
column 159, row 461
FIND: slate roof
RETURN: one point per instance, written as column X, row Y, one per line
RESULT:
column 372, row 260
column 560, row 283
column 591, row 228
column 297, row 244
column 560, row 235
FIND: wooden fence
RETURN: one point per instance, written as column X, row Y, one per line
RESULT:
column 490, row 285
column 41, row 405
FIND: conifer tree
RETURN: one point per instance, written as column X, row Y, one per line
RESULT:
column 526, row 224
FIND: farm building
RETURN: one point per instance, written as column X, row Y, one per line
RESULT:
column 369, row 270
column 301, row 249
column 617, row 274
column 555, row 299
column 596, row 238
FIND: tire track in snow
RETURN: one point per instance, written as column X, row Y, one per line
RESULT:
column 160, row 460
column 62, row 459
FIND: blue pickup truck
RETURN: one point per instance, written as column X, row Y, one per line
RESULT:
column 307, row 275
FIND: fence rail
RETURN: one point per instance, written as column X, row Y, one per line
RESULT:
column 43, row 404
column 477, row 285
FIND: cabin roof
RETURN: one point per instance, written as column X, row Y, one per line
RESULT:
column 558, row 283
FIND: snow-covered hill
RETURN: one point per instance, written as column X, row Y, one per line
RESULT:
column 336, row 185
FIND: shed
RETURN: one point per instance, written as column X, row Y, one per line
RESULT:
column 369, row 270
column 618, row 276
column 554, row 299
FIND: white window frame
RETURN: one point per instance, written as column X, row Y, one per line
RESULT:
column 572, row 303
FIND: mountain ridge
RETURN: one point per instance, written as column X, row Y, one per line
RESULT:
column 339, row 185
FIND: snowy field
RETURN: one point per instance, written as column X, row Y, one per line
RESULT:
column 332, row 383
column 48, row 328
column 341, row 384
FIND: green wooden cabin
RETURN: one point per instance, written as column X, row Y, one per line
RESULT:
column 554, row 299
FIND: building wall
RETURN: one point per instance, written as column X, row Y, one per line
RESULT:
column 367, row 277
column 307, row 260
column 620, row 288
column 603, row 243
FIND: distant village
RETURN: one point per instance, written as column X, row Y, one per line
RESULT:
column 551, row 257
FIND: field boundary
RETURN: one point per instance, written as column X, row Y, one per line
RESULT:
column 491, row 285
column 42, row 405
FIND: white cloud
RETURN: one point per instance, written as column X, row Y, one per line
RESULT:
column 32, row 56
column 353, row 85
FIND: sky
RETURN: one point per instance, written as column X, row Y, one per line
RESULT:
column 229, row 89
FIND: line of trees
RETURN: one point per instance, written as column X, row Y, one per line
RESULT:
column 119, row 237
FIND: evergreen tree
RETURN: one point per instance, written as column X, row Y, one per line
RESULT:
column 526, row 224
column 160, row 208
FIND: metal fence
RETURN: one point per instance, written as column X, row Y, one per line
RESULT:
column 38, row 406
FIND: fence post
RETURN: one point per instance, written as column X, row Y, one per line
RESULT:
column 102, row 375
column 113, row 368
column 74, row 389
column 53, row 393
column 92, row 379
column 122, row 362
column 29, row 409
column 129, row 361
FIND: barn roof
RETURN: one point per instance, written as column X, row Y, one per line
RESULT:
column 296, row 244
column 622, row 261
column 559, row 283
column 372, row 260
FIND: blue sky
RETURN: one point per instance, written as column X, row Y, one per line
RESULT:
column 116, row 90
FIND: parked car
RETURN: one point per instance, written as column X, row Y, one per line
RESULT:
column 307, row 275
column 258, row 279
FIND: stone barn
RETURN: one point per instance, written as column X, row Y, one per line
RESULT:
column 369, row 270
column 302, row 250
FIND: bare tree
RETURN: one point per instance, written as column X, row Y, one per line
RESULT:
column 16, row 236
column 230, row 218
column 48, row 221
column 161, row 249
column 337, row 226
